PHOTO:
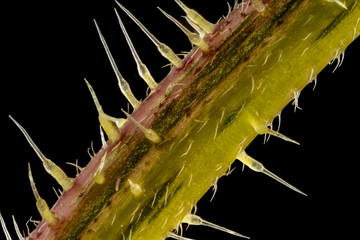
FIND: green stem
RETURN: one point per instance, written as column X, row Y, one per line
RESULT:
column 206, row 112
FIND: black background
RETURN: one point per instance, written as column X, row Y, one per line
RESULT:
column 50, row 46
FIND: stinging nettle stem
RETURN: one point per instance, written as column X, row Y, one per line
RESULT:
column 142, row 184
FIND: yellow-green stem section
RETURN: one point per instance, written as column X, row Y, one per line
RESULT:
column 244, row 84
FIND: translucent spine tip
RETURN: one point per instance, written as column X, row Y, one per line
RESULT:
column 149, row 133
column 124, row 86
column 193, row 37
column 54, row 170
column 259, row 167
column 192, row 219
column 164, row 50
column 41, row 204
column 196, row 18
column 3, row 225
column 279, row 135
column 142, row 69
column 110, row 124
column 17, row 229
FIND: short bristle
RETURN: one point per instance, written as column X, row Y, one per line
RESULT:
column 263, row 129
column 123, row 84
column 110, row 124
column 142, row 69
column 149, row 133
column 259, row 167
column 338, row 2
column 192, row 219
column 55, row 171
column 196, row 18
column 3, row 225
column 41, row 204
column 193, row 37
column 164, row 50
column 32, row 184
column 17, row 229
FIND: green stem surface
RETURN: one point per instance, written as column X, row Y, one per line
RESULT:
column 206, row 112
